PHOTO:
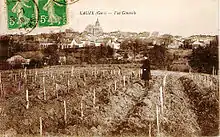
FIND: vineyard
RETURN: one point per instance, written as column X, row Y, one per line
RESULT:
column 107, row 100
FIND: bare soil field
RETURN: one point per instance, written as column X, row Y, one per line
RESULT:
column 107, row 100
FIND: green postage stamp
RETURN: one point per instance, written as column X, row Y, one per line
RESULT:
column 52, row 12
column 26, row 13
column 21, row 14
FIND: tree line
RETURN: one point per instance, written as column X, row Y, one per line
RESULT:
column 202, row 59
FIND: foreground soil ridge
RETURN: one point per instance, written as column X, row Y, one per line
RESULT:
column 107, row 101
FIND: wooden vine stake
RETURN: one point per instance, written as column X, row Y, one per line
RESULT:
column 25, row 70
column 0, row 77
column 19, row 85
column 84, row 76
column 25, row 74
column 81, row 108
column 65, row 116
column 139, row 73
column 119, row 72
column 2, row 90
column 149, row 133
column 68, row 85
column 44, row 90
column 43, row 80
column 103, row 73
column 158, row 124
column 124, row 80
column 213, row 70
column 57, row 92
column 162, row 93
column 27, row 99
column 45, row 98
column 94, row 97
column 161, row 99
column 41, row 127
column 72, row 71
column 53, row 77
column 164, row 80
column 35, row 77
column 115, row 85
column 1, row 93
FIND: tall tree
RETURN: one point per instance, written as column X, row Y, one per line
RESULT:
column 204, row 59
column 52, row 52
column 158, row 56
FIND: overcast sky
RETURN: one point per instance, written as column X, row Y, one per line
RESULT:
column 176, row 17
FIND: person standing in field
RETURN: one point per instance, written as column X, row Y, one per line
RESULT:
column 146, row 75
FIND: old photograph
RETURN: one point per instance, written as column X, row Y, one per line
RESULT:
column 109, row 68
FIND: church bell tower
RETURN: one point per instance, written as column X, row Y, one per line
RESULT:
column 97, row 24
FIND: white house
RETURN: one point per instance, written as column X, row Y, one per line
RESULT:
column 175, row 44
column 197, row 44
column 114, row 45
column 157, row 42
column 74, row 43
column 45, row 44
column 97, row 44
column 86, row 42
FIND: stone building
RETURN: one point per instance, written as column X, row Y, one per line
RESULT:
column 94, row 29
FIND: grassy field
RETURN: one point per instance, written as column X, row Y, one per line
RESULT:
column 107, row 100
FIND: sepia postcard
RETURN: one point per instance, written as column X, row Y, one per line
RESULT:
column 109, row 68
